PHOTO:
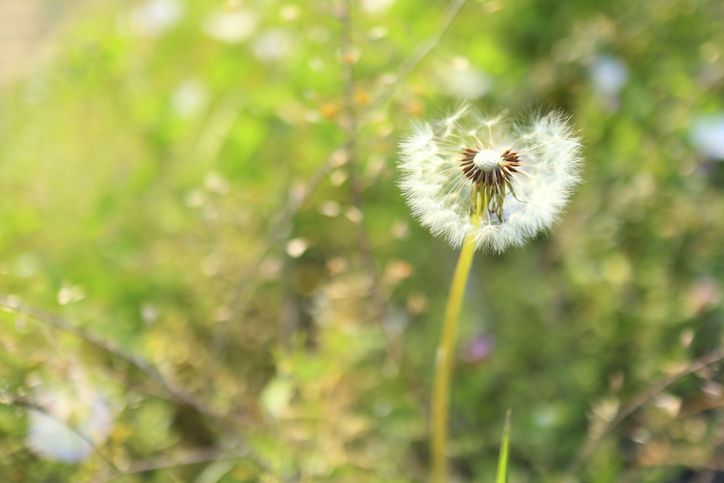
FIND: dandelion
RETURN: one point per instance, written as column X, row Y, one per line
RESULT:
column 500, row 183
column 483, row 183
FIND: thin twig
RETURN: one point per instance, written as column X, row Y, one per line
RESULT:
column 594, row 440
column 19, row 401
column 65, row 326
column 623, row 40
column 279, row 228
column 411, row 62
column 278, row 231
column 176, row 394
column 203, row 456
column 351, row 132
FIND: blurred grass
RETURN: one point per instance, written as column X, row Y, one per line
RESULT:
column 158, row 168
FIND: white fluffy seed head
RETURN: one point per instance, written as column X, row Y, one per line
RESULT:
column 487, row 160
column 439, row 193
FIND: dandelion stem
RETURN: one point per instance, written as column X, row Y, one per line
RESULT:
column 444, row 362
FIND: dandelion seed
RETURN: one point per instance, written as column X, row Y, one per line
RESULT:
column 498, row 181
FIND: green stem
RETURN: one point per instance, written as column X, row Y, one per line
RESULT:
column 443, row 363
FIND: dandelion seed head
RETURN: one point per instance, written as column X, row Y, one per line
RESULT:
column 469, row 174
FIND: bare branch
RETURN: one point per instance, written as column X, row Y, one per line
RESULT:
column 594, row 440
column 411, row 62
column 280, row 227
column 351, row 131
column 175, row 394
column 20, row 401
column 196, row 457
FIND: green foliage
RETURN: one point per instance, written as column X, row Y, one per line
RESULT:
column 502, row 474
column 189, row 281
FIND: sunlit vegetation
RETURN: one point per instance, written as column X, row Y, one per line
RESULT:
column 208, row 272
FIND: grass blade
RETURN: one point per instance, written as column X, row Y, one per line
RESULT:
column 503, row 458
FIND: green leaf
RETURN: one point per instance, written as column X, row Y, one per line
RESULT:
column 503, row 458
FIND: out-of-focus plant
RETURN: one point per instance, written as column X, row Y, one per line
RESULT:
column 202, row 240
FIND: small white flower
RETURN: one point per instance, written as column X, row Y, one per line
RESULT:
column 469, row 174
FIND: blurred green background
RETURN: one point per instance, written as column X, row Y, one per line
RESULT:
column 208, row 273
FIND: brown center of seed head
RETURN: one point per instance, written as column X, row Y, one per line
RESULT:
column 489, row 188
